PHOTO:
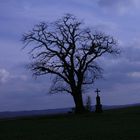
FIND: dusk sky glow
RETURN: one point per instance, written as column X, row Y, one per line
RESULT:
column 121, row 82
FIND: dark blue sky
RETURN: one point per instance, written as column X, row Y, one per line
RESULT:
column 120, row 18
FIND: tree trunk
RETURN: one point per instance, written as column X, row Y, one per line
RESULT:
column 78, row 100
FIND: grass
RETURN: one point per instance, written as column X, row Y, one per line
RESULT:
column 118, row 124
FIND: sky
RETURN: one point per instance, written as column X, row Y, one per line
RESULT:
column 19, row 90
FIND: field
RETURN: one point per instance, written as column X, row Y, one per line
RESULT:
column 118, row 124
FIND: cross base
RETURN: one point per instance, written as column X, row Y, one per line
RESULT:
column 98, row 108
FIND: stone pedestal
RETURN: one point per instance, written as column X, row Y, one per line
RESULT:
column 98, row 108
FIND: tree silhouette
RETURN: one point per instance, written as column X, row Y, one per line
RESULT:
column 68, row 50
column 88, row 103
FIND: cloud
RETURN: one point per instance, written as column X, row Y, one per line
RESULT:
column 131, row 51
column 4, row 75
column 120, row 6
column 114, row 3
column 134, row 74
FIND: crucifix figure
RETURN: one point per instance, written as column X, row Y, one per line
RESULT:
column 98, row 102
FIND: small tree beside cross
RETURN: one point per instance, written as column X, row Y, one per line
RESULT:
column 88, row 104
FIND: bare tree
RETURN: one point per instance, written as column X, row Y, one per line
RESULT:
column 67, row 50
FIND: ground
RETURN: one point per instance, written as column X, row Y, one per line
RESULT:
column 118, row 124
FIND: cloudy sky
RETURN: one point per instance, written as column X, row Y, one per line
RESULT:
column 120, row 18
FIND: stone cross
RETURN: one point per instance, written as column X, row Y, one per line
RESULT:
column 97, row 91
column 98, row 105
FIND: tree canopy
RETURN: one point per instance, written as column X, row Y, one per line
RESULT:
column 68, row 50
